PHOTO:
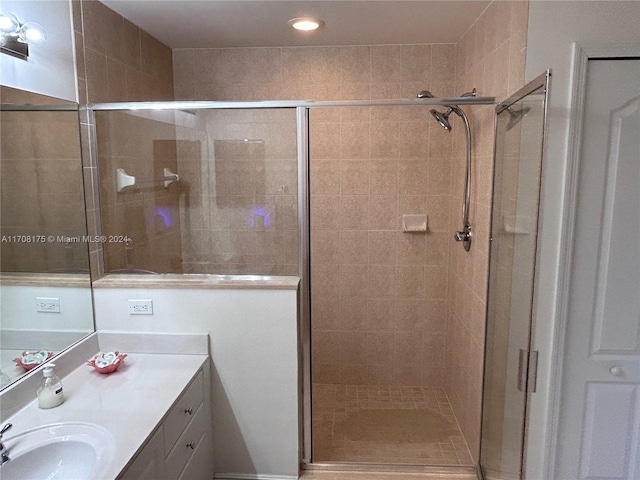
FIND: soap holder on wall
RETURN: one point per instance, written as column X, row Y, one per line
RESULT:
column 414, row 222
column 124, row 180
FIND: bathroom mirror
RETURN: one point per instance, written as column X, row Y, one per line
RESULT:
column 45, row 284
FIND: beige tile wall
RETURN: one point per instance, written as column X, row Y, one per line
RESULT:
column 378, row 302
column 317, row 73
column 116, row 61
column 490, row 57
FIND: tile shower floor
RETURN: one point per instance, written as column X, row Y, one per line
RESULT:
column 387, row 425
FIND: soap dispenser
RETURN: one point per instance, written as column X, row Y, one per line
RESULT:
column 50, row 389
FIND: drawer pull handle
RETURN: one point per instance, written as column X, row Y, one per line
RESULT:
column 616, row 371
column 191, row 445
column 188, row 410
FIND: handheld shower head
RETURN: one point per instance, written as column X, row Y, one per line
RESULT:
column 516, row 115
column 442, row 118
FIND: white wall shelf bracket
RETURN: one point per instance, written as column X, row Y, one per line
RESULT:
column 124, row 180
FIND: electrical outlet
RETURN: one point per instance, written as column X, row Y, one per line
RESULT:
column 47, row 305
column 140, row 307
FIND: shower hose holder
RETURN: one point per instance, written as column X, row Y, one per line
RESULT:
column 464, row 236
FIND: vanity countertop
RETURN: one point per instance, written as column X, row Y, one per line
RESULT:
column 198, row 281
column 129, row 403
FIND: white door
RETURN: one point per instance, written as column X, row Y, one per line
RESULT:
column 600, row 404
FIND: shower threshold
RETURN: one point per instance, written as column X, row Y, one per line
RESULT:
column 369, row 471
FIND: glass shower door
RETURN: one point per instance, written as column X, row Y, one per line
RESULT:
column 509, row 372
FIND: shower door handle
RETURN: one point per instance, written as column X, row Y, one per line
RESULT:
column 527, row 371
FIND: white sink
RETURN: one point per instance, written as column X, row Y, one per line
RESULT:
column 63, row 451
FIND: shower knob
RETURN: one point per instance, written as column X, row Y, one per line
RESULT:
column 616, row 371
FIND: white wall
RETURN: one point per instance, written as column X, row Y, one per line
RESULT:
column 50, row 69
column 18, row 309
column 553, row 27
column 254, row 349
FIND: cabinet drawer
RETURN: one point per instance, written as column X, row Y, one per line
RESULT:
column 147, row 464
column 200, row 465
column 182, row 412
column 186, row 445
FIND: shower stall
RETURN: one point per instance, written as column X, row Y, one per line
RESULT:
column 362, row 201
column 384, row 203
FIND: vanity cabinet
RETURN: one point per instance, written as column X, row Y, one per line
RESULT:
column 184, row 428
column 180, row 448
column 148, row 464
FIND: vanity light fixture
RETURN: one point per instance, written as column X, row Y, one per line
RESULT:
column 306, row 24
column 16, row 37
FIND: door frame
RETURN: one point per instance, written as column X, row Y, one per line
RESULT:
column 582, row 53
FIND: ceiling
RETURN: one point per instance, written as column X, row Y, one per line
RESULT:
column 254, row 23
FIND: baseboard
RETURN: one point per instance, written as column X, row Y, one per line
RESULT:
column 252, row 476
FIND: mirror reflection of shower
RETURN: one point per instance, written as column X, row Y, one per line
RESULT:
column 442, row 118
column 128, row 247
column 516, row 115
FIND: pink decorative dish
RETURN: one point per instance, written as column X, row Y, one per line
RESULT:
column 29, row 360
column 107, row 362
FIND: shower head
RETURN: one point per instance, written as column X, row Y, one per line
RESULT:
column 442, row 118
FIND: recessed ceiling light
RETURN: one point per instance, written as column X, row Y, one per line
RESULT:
column 305, row 23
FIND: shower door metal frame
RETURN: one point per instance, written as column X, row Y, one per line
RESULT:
column 303, row 108
column 304, row 292
column 248, row 105
column 528, row 367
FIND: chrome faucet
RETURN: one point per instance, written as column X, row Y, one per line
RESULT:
column 4, row 453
